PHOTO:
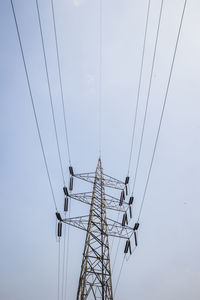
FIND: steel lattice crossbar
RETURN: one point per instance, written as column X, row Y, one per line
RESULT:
column 111, row 202
column 109, row 181
column 114, row 228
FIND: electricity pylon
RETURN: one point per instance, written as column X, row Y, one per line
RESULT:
column 95, row 280
column 95, row 270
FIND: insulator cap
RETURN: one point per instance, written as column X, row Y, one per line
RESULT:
column 71, row 171
column 130, row 212
column 71, row 181
column 126, row 218
column 65, row 190
column 123, row 220
column 126, row 247
column 59, row 229
column 135, row 236
column 130, row 247
column 66, row 204
column 136, row 226
column 126, row 190
column 58, row 216
column 127, row 180
column 131, row 200
column 121, row 199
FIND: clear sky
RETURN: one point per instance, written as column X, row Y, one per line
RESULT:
column 166, row 263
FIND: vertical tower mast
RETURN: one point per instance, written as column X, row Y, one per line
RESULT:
column 95, row 277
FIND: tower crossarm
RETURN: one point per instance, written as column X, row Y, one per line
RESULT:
column 114, row 228
column 109, row 181
column 112, row 203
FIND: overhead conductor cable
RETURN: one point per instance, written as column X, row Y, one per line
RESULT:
column 163, row 108
column 139, row 86
column 148, row 96
column 33, row 105
column 65, row 253
column 160, row 123
column 50, row 93
column 100, row 77
column 60, row 81
column 67, row 257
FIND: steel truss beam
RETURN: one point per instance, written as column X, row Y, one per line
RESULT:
column 109, row 181
column 114, row 228
column 111, row 202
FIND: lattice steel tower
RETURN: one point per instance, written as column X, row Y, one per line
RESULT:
column 95, row 280
column 95, row 270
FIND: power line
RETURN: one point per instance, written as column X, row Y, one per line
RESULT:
column 119, row 274
column 100, row 77
column 158, row 132
column 67, row 256
column 33, row 105
column 60, row 81
column 116, row 255
column 50, row 93
column 58, row 295
column 163, row 108
column 139, row 86
column 64, row 257
column 148, row 96
column 159, row 127
column 112, row 243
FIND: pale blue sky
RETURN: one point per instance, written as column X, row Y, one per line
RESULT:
column 166, row 263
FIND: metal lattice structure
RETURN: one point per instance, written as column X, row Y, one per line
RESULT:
column 95, row 274
column 95, row 280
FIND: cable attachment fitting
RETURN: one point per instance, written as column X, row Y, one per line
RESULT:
column 65, row 190
column 131, row 200
column 71, row 171
column 59, row 229
column 71, row 183
column 71, row 180
column 122, row 198
column 127, row 180
column 125, row 219
column 128, row 247
column 66, row 204
column 130, row 212
column 58, row 216
column 126, row 189
column 135, row 228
